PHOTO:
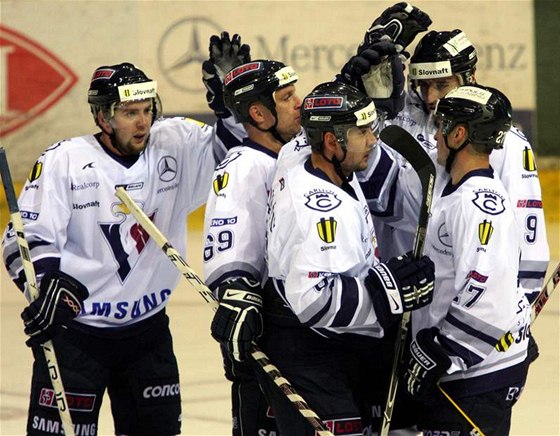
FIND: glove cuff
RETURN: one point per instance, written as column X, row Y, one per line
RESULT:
column 390, row 285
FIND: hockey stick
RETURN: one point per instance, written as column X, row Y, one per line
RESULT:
column 404, row 143
column 545, row 293
column 195, row 281
column 30, row 278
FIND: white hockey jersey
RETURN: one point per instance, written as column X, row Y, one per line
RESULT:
column 320, row 246
column 74, row 222
column 514, row 165
column 473, row 239
column 235, row 219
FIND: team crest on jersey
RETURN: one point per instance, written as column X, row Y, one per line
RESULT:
column 126, row 238
column 529, row 163
column 35, row 172
column 326, row 227
column 322, row 200
column 485, row 230
column 489, row 201
column 220, row 182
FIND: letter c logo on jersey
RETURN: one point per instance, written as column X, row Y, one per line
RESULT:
column 323, row 201
column 489, row 201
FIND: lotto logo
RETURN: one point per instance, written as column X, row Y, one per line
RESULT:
column 323, row 103
column 239, row 71
column 105, row 73
column 76, row 402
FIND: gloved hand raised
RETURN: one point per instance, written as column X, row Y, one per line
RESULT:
column 426, row 361
column 401, row 284
column 378, row 71
column 238, row 321
column 225, row 54
column 60, row 300
column 399, row 23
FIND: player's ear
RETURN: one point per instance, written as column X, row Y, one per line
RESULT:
column 256, row 112
column 330, row 143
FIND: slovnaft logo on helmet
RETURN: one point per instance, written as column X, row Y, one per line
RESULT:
column 286, row 76
column 239, row 71
column 366, row 115
column 138, row 91
column 430, row 70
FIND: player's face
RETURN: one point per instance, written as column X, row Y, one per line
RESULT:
column 434, row 89
column 288, row 108
column 359, row 144
column 131, row 124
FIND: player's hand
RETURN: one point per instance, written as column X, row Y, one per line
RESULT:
column 225, row 54
column 399, row 23
column 408, row 283
column 60, row 300
column 378, row 71
column 426, row 361
column 238, row 321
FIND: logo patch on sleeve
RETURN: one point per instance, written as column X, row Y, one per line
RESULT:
column 220, row 182
column 326, row 228
column 485, row 231
column 35, row 172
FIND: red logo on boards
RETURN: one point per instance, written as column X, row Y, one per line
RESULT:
column 32, row 80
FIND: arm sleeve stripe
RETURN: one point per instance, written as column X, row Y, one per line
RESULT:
column 471, row 331
column 349, row 302
column 468, row 356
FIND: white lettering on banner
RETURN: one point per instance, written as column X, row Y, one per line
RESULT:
column 161, row 391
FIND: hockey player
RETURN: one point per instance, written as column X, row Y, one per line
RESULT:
column 441, row 62
column 103, row 285
column 328, row 299
column 262, row 96
column 474, row 240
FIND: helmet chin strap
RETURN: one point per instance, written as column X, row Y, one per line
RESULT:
column 337, row 164
column 272, row 130
column 452, row 153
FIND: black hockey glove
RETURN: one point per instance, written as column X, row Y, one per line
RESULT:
column 401, row 284
column 60, row 300
column 426, row 361
column 378, row 71
column 238, row 321
column 400, row 24
column 225, row 54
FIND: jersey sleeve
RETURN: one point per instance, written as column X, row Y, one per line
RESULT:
column 516, row 167
column 235, row 219
column 45, row 209
column 485, row 298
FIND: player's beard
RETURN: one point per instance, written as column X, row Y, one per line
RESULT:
column 131, row 148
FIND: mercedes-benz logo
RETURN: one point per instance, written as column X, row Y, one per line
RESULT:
column 182, row 49
column 167, row 168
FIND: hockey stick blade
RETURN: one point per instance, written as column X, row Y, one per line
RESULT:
column 197, row 283
column 404, row 143
column 30, row 278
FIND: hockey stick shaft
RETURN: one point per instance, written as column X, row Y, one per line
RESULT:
column 29, row 271
column 400, row 140
column 197, row 283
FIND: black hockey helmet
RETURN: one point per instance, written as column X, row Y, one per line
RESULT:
column 335, row 107
column 114, row 84
column 442, row 54
column 255, row 81
column 486, row 112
